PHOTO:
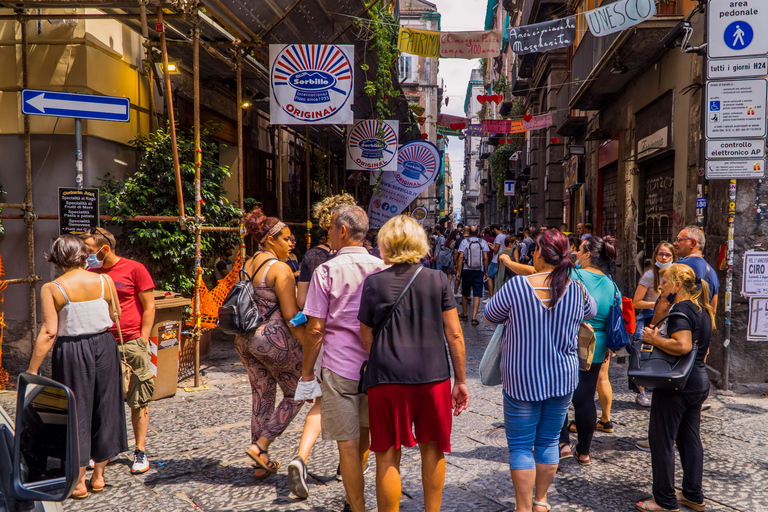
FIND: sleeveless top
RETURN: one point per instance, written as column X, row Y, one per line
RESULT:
column 86, row 317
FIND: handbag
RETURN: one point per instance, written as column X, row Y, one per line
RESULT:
column 127, row 370
column 239, row 312
column 490, row 365
column 362, row 387
column 651, row 367
column 628, row 312
column 616, row 335
column 586, row 338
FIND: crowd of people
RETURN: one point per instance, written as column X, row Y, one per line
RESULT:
column 349, row 328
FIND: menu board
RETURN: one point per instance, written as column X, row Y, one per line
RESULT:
column 78, row 210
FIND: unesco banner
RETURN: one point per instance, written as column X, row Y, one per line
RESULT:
column 372, row 146
column 418, row 165
column 311, row 83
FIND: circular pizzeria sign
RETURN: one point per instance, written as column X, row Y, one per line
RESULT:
column 420, row 213
column 311, row 82
column 372, row 144
column 417, row 164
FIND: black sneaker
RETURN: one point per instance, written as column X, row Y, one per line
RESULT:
column 347, row 507
column 297, row 478
column 140, row 462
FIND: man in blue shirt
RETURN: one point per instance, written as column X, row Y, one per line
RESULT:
column 689, row 245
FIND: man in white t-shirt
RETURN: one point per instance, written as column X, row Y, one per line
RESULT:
column 473, row 260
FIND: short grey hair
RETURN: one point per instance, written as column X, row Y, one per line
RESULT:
column 697, row 234
column 354, row 218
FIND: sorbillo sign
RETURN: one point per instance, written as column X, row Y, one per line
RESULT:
column 372, row 146
column 311, row 84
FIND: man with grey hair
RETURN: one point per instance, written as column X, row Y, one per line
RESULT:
column 332, row 305
column 689, row 246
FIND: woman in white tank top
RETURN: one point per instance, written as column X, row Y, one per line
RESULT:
column 76, row 310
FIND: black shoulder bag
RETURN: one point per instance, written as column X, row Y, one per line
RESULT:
column 239, row 312
column 362, row 387
column 651, row 367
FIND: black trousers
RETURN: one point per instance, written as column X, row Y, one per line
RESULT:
column 585, row 411
column 90, row 366
column 676, row 418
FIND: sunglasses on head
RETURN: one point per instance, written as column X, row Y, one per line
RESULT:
column 102, row 232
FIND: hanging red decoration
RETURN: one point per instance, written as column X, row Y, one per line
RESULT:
column 421, row 119
column 527, row 118
column 556, row 140
column 482, row 98
column 498, row 98
column 439, row 136
column 424, row 136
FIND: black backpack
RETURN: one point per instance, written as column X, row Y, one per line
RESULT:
column 239, row 312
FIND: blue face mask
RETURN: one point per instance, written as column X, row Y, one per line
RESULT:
column 671, row 298
column 93, row 260
column 577, row 264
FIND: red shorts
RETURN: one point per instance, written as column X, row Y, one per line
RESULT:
column 394, row 410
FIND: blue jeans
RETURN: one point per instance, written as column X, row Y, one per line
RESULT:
column 493, row 269
column 640, row 318
column 533, row 430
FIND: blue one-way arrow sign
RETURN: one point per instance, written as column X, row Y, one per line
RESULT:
column 79, row 106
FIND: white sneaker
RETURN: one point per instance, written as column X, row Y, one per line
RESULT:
column 297, row 478
column 140, row 462
column 642, row 400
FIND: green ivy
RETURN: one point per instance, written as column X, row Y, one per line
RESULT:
column 166, row 249
column 380, row 32
column 501, row 85
column 499, row 159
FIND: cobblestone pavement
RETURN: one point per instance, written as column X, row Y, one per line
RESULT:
column 197, row 445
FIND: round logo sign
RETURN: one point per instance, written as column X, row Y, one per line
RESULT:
column 372, row 144
column 419, row 213
column 311, row 82
column 417, row 163
column 738, row 35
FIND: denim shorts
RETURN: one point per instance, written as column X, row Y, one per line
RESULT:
column 533, row 430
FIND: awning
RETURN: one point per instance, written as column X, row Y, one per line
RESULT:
column 634, row 49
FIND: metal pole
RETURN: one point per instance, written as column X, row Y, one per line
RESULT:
column 171, row 118
column 279, row 187
column 729, row 284
column 29, row 214
column 240, row 149
column 198, row 194
column 328, row 160
column 306, row 164
column 79, row 153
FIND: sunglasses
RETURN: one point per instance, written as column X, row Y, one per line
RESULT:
column 102, row 232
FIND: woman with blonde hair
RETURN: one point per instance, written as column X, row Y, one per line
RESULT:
column 676, row 414
column 405, row 312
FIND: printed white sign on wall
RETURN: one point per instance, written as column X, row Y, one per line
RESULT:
column 755, row 274
column 418, row 165
column 372, row 146
column 736, row 108
column 758, row 319
column 311, row 83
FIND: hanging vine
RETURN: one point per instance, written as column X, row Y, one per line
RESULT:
column 499, row 159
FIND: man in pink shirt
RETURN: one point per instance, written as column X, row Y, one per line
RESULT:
column 332, row 305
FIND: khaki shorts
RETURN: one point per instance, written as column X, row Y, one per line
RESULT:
column 142, row 383
column 343, row 410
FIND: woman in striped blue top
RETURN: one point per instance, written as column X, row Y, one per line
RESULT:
column 541, row 314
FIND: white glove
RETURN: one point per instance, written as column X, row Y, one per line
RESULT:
column 307, row 390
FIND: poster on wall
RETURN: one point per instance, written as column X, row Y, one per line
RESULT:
column 372, row 145
column 418, row 165
column 311, row 83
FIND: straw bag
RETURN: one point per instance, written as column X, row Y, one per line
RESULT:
column 586, row 339
column 127, row 370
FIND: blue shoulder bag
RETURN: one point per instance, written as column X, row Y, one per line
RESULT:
column 616, row 336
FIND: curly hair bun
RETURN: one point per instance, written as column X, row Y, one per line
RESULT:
column 254, row 221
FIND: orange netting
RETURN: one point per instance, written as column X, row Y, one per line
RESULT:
column 211, row 300
column 5, row 380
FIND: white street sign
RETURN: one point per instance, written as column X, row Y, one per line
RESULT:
column 754, row 282
column 744, row 148
column 737, row 68
column 509, row 188
column 734, row 169
column 737, row 28
column 736, row 108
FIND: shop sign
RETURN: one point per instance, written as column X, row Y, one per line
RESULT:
column 737, row 28
column 419, row 42
column 470, row 45
column 419, row 213
column 652, row 143
column 736, row 109
column 572, row 173
column 538, row 122
column 734, row 169
column 619, row 15
column 78, row 210
column 736, row 148
column 543, row 37
column 418, row 165
column 758, row 319
column 311, row 83
column 372, row 145
column 754, row 281
column 737, row 68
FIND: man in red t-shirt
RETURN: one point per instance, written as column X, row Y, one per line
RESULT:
column 135, row 289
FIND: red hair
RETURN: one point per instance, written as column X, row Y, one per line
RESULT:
column 258, row 224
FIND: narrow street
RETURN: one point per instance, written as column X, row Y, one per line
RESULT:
column 197, row 449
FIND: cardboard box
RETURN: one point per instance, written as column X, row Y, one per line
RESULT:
column 164, row 342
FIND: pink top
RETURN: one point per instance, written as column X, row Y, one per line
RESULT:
column 334, row 294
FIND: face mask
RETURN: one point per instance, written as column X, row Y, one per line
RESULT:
column 578, row 264
column 663, row 265
column 671, row 298
column 93, row 260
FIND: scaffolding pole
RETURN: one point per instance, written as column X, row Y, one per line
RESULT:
column 240, row 149
column 198, row 195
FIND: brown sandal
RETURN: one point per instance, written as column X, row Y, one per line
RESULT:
column 270, row 467
column 577, row 455
column 650, row 505
column 698, row 507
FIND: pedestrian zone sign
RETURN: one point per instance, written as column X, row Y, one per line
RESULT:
column 737, row 28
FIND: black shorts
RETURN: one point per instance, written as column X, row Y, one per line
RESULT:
column 472, row 282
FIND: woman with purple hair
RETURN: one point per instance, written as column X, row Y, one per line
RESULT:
column 541, row 314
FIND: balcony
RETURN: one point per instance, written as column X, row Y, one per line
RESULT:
column 605, row 65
